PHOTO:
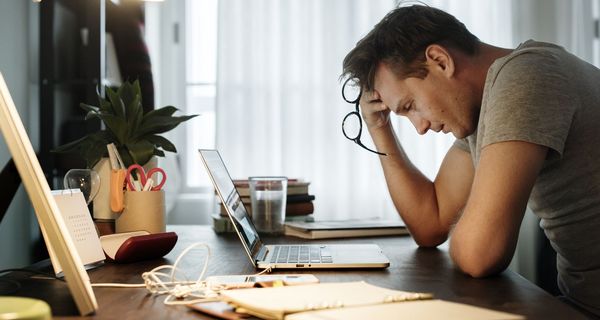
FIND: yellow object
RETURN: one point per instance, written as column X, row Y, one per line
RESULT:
column 277, row 283
column 117, row 181
column 24, row 308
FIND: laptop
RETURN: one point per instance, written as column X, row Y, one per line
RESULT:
column 282, row 256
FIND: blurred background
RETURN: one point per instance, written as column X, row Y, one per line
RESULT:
column 264, row 77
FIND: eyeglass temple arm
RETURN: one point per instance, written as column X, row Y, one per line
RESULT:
column 367, row 148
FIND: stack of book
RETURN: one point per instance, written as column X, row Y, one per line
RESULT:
column 299, row 206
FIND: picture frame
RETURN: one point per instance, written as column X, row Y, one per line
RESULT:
column 56, row 234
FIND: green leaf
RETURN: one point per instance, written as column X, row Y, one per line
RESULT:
column 117, row 104
column 91, row 115
column 159, row 153
column 160, row 125
column 161, row 112
column 93, row 154
column 140, row 151
column 125, row 156
column 161, row 142
column 135, row 126
column 135, row 114
column 127, row 93
column 88, row 107
column 117, row 125
column 71, row 147
column 137, row 88
column 104, row 105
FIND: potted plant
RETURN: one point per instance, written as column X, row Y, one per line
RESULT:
column 135, row 134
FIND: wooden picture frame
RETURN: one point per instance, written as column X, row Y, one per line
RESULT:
column 56, row 234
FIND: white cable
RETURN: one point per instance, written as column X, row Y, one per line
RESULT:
column 160, row 281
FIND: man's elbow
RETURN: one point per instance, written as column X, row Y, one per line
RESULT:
column 430, row 240
column 478, row 269
column 478, row 264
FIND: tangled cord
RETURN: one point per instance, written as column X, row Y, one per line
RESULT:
column 160, row 281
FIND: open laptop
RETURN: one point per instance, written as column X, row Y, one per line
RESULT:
column 283, row 256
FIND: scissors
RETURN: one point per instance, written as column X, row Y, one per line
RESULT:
column 144, row 177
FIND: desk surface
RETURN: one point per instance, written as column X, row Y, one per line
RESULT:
column 411, row 269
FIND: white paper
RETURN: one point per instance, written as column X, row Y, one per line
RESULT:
column 78, row 219
column 112, row 242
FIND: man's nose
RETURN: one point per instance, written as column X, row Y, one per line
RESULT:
column 420, row 124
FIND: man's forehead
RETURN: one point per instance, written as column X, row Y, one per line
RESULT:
column 383, row 77
column 387, row 86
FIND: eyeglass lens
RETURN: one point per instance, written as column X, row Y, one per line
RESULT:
column 351, row 91
column 352, row 126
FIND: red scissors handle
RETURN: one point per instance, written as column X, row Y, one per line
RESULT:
column 144, row 176
column 163, row 178
column 141, row 176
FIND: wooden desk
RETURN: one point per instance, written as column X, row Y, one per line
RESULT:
column 412, row 269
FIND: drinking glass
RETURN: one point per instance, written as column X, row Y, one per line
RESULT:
column 268, row 196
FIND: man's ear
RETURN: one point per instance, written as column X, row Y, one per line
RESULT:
column 438, row 58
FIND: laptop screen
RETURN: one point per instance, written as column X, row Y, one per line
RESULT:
column 230, row 198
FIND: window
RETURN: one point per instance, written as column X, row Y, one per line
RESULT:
column 596, row 40
column 200, row 85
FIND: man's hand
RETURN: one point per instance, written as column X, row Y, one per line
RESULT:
column 374, row 112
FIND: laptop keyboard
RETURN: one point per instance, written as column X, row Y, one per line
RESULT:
column 301, row 254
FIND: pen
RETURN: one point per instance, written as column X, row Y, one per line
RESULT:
column 149, row 184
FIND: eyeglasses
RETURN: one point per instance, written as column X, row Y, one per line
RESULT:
column 352, row 123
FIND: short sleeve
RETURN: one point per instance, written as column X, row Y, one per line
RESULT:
column 462, row 144
column 531, row 99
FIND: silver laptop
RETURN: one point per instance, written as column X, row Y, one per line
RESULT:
column 283, row 256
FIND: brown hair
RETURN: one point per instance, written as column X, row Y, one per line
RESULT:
column 400, row 39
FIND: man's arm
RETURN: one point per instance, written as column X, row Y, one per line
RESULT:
column 428, row 209
column 484, row 239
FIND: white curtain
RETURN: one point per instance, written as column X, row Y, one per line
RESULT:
column 567, row 23
column 279, row 108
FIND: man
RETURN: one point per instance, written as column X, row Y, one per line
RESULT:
column 527, row 128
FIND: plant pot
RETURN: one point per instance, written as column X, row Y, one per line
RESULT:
column 102, row 209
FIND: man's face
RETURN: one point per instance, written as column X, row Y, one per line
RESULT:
column 437, row 102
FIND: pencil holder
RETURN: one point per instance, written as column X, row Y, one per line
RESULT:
column 144, row 210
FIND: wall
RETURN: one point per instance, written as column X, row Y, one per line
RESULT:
column 18, row 39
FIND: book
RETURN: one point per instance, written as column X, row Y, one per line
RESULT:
column 293, row 198
column 344, row 229
column 291, row 209
column 350, row 300
column 299, row 208
column 277, row 302
column 294, row 187
column 304, row 218
column 222, row 224
column 421, row 309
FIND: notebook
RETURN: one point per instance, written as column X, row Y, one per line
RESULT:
column 350, row 300
column 344, row 229
column 284, row 256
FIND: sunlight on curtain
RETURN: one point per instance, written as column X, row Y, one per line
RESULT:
column 566, row 23
column 279, row 108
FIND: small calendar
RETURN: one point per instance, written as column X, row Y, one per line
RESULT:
column 78, row 219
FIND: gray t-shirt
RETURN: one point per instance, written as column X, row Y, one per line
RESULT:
column 542, row 94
